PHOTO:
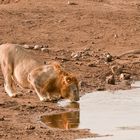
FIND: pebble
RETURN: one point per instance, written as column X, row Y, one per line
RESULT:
column 91, row 65
column 64, row 60
column 100, row 89
column 37, row 47
column 110, row 80
column 124, row 76
column 116, row 69
column 26, row 46
column 30, row 127
column 108, row 57
column 86, row 49
column 72, row 3
column 45, row 46
column 44, row 50
column 115, row 36
column 2, row 118
column 76, row 55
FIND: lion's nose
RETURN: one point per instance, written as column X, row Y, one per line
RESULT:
column 77, row 98
column 75, row 91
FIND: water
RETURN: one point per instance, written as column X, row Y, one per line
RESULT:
column 108, row 113
column 65, row 120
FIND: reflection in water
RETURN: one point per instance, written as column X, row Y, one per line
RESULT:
column 73, row 105
column 65, row 120
column 68, row 104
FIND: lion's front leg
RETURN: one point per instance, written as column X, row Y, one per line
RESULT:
column 55, row 97
column 43, row 96
column 40, row 80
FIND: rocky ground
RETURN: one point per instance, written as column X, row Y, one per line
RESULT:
column 91, row 38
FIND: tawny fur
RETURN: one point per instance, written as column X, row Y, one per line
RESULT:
column 50, row 81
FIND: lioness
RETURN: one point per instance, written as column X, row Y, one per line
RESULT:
column 20, row 67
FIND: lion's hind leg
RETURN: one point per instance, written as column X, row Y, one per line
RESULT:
column 9, row 84
column 9, row 90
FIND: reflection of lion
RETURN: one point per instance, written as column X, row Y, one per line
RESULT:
column 66, row 120
column 48, row 81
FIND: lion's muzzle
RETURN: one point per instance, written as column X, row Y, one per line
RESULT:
column 74, row 93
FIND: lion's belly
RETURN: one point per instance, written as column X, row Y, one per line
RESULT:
column 20, row 77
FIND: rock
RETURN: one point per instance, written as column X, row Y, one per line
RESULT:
column 37, row 47
column 115, row 36
column 124, row 76
column 30, row 127
column 108, row 57
column 79, row 63
column 86, row 49
column 44, row 50
column 110, row 80
column 64, row 60
column 45, row 46
column 100, row 88
column 116, row 70
column 26, row 46
column 72, row 3
column 91, row 64
column 85, row 53
column 76, row 55
column 17, row 137
column 2, row 118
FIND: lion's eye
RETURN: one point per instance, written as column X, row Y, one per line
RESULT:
column 68, row 80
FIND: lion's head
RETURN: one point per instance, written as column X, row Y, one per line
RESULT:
column 69, row 88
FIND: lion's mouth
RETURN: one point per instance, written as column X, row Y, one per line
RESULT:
column 74, row 99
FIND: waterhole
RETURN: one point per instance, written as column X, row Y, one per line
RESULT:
column 65, row 120
column 104, row 112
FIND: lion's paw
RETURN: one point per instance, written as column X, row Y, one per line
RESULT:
column 55, row 98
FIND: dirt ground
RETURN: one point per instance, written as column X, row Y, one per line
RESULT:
column 79, row 34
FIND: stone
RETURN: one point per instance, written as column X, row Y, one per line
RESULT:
column 2, row 118
column 116, row 70
column 110, row 80
column 91, row 64
column 76, row 55
column 37, row 47
column 124, row 76
column 72, row 3
column 26, row 46
column 30, row 127
column 108, row 57
column 44, row 50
